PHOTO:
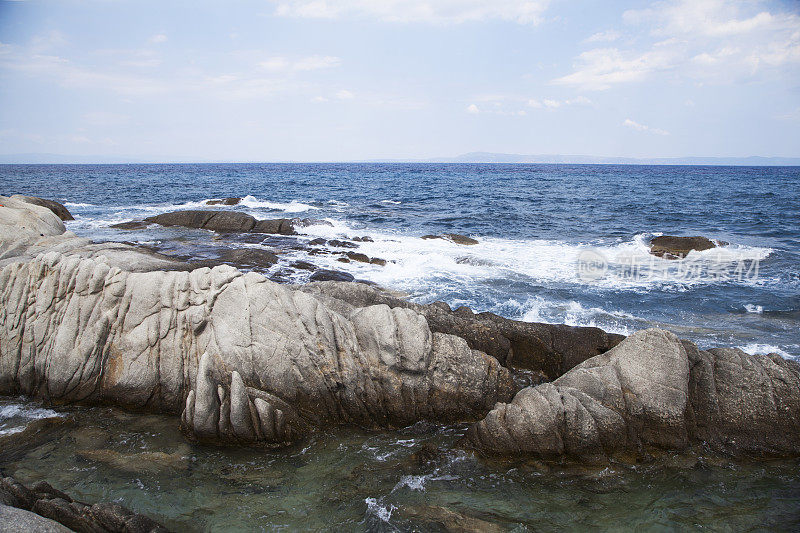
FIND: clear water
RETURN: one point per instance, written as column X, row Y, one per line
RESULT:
column 350, row 480
column 533, row 222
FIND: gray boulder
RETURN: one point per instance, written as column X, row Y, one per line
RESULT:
column 652, row 391
column 223, row 221
column 56, row 207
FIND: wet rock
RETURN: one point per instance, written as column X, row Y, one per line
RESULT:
column 250, row 257
column 378, row 261
column 448, row 520
column 51, row 510
column 57, row 208
column 453, row 237
column 224, row 201
column 341, row 244
column 130, row 225
column 223, row 221
column 671, row 247
column 651, row 390
column 331, row 275
column 343, row 259
column 317, row 242
column 356, row 256
column 362, row 239
column 303, row 265
column 460, row 239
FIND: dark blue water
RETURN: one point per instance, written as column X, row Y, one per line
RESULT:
column 533, row 222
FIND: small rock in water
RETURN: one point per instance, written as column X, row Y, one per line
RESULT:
column 224, row 201
column 453, row 237
column 356, row 256
column 331, row 275
column 303, row 265
column 672, row 247
column 131, row 224
column 317, row 242
column 341, row 244
column 378, row 261
column 249, row 257
column 343, row 259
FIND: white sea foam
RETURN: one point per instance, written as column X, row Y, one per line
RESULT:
column 294, row 206
column 755, row 348
column 393, row 202
column 414, row 262
column 380, row 510
column 77, row 204
column 14, row 417
column 751, row 308
column 572, row 313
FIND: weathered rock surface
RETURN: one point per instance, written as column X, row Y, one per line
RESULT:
column 223, row 221
column 245, row 360
column 15, row 520
column 550, row 349
column 671, row 247
column 43, row 508
column 56, row 207
column 651, row 390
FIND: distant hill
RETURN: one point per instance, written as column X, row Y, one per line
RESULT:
column 471, row 157
column 489, row 157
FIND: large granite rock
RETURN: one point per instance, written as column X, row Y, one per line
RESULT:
column 223, row 221
column 550, row 349
column 243, row 359
column 42, row 508
column 651, row 390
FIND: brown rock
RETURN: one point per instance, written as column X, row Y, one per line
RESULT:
column 224, row 201
column 57, row 208
column 671, row 247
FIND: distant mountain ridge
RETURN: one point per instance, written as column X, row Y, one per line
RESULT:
column 471, row 157
column 491, row 157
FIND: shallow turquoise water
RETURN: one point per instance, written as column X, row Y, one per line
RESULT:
column 404, row 480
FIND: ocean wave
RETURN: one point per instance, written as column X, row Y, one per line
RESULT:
column 414, row 262
column 573, row 313
column 293, row 206
column 16, row 416
column 756, row 309
column 77, row 204
column 764, row 349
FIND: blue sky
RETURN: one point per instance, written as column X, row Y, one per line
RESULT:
column 360, row 79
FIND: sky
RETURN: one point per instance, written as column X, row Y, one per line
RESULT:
column 339, row 80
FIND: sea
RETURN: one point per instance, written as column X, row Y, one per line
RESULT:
column 556, row 243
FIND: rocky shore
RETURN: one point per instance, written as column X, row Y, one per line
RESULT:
column 247, row 361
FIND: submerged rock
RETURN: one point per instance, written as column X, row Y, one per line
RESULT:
column 249, row 257
column 448, row 520
column 56, row 207
column 130, row 225
column 651, row 390
column 671, row 247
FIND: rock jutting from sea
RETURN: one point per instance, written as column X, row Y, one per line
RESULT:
column 244, row 360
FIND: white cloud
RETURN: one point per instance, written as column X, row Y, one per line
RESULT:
column 157, row 38
column 473, row 109
column 641, row 127
column 344, row 94
column 603, row 36
column 712, row 40
column 304, row 64
column 428, row 11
